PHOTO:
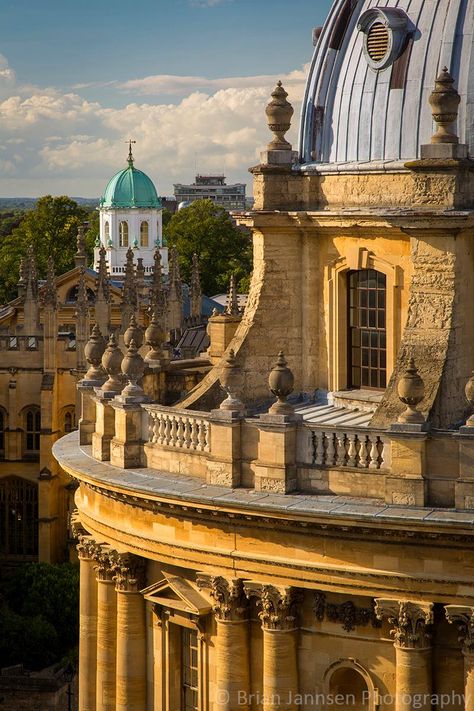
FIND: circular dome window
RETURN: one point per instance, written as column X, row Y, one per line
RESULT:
column 378, row 42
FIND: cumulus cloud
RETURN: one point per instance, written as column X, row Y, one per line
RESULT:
column 65, row 143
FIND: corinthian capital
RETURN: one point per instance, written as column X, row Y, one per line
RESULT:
column 104, row 567
column 128, row 571
column 410, row 621
column 278, row 606
column 230, row 602
column 463, row 617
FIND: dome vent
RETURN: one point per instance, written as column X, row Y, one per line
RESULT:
column 386, row 32
column 378, row 42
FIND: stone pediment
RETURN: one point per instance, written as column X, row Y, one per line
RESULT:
column 178, row 594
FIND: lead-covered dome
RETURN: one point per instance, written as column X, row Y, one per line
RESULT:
column 130, row 188
column 372, row 72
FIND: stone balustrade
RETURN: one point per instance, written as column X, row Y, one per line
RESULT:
column 179, row 429
column 323, row 446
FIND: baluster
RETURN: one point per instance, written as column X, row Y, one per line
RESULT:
column 168, row 430
column 319, row 457
column 180, row 433
column 162, row 428
column 151, row 426
column 330, row 449
column 380, row 449
column 341, row 449
column 195, row 434
column 174, row 431
column 384, row 452
column 352, row 451
column 187, row 433
column 364, row 450
column 205, row 436
column 374, row 454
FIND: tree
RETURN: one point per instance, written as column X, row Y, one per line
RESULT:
column 207, row 230
column 51, row 228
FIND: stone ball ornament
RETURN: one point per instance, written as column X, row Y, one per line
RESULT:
column 111, row 362
column 281, row 382
column 93, row 351
column 232, row 380
column 133, row 332
column 411, row 391
column 132, row 367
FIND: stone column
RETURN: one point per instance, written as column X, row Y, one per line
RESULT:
column 106, row 630
column 280, row 634
column 87, row 549
column 232, row 643
column 463, row 616
column 131, row 692
column 410, row 628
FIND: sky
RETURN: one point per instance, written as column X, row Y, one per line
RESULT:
column 187, row 79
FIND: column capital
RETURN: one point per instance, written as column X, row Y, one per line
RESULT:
column 128, row 571
column 410, row 621
column 278, row 605
column 230, row 602
column 463, row 617
column 104, row 568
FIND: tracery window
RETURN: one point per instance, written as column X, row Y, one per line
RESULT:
column 123, row 234
column 32, row 430
column 69, row 420
column 367, row 321
column 144, row 234
column 18, row 517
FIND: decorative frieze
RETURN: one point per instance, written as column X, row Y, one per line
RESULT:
column 410, row 622
column 230, row 602
column 278, row 606
column 128, row 572
column 463, row 617
column 347, row 613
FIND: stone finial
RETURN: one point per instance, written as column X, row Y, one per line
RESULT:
column 111, row 362
column 281, row 381
column 129, row 293
column 195, row 295
column 232, row 380
column 157, row 298
column 31, row 275
column 102, row 283
column 50, row 296
column 133, row 332
column 232, row 303
column 93, row 351
column 82, row 301
column 175, row 274
column 80, row 258
column 154, row 337
column 411, row 391
column 444, row 102
column 133, row 367
column 279, row 112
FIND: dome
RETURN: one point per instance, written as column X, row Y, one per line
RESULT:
column 372, row 72
column 130, row 188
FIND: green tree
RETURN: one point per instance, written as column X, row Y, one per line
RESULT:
column 51, row 228
column 208, row 230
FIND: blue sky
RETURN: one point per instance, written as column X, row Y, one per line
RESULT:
column 187, row 77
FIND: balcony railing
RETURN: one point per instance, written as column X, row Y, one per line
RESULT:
column 326, row 446
column 178, row 429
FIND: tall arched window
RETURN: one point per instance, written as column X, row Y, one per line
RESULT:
column 106, row 231
column 123, row 234
column 69, row 419
column 32, row 430
column 18, row 517
column 367, row 337
column 144, row 234
column 351, row 688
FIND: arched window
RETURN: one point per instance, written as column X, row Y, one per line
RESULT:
column 144, row 234
column 106, row 231
column 32, row 430
column 351, row 688
column 69, row 419
column 3, row 425
column 123, row 234
column 367, row 322
column 18, row 517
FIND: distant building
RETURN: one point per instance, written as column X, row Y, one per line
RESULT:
column 212, row 187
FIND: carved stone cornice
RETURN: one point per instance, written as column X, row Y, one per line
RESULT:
column 347, row 613
column 410, row 622
column 463, row 617
column 230, row 601
column 104, row 567
column 128, row 572
column 278, row 606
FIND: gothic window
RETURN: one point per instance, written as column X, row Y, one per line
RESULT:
column 32, row 430
column 18, row 517
column 123, row 234
column 144, row 234
column 106, row 231
column 189, row 669
column 2, row 433
column 69, row 420
column 367, row 337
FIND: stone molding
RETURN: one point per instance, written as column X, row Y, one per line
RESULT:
column 410, row 622
column 230, row 601
column 128, row 572
column 347, row 613
column 463, row 617
column 278, row 606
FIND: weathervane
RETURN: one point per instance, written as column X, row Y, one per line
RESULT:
column 130, row 156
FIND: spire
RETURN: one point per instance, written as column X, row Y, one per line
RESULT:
column 80, row 258
column 232, row 304
column 31, row 306
column 129, row 296
column 157, row 298
column 195, row 289
column 102, row 282
column 82, row 302
column 31, row 275
column 175, row 274
column 175, row 295
column 50, row 296
column 130, row 154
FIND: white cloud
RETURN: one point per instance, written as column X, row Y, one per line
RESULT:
column 64, row 143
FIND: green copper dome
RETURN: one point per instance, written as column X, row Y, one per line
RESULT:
column 130, row 188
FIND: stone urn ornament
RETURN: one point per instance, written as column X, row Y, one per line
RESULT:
column 93, row 351
column 279, row 112
column 469, row 390
column 132, row 367
column 111, row 362
column 445, row 102
column 154, row 337
column 411, row 391
column 281, row 381
column 232, row 380
column 133, row 332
